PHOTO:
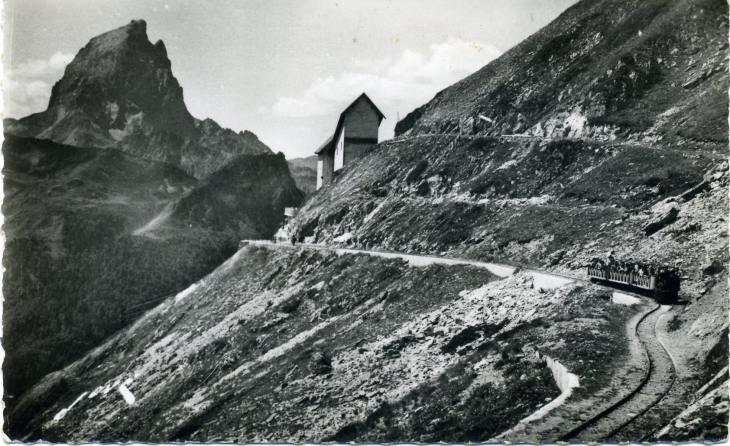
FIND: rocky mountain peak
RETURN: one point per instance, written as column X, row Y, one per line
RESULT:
column 119, row 92
column 119, row 75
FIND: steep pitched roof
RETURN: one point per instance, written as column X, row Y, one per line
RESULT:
column 325, row 145
column 329, row 143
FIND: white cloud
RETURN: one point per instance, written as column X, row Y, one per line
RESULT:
column 27, row 88
column 407, row 83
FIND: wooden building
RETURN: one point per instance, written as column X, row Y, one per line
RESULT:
column 356, row 132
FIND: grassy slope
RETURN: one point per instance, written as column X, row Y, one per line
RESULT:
column 288, row 345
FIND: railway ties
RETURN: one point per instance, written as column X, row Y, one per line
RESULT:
column 634, row 417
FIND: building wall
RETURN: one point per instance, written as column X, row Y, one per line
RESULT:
column 340, row 151
column 362, row 121
column 320, row 163
column 361, row 124
column 359, row 133
column 328, row 165
column 355, row 151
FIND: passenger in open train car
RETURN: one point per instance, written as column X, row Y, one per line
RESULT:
column 597, row 263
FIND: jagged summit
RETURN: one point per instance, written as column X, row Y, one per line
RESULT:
column 119, row 92
column 119, row 75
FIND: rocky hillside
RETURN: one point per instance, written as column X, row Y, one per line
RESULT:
column 604, row 132
column 650, row 72
column 283, row 345
column 119, row 92
column 304, row 172
column 644, row 178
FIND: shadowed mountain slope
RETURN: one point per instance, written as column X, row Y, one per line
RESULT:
column 95, row 237
column 304, row 172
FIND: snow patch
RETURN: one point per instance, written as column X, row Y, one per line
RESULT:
column 375, row 211
column 63, row 412
column 126, row 394
column 343, row 238
column 186, row 292
column 507, row 165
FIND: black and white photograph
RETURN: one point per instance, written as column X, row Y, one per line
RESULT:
column 365, row 221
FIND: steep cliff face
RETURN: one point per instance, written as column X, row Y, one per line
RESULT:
column 119, row 92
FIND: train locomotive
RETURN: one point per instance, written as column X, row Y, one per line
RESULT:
column 659, row 282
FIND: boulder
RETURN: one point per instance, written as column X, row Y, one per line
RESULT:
column 694, row 191
column 555, row 258
column 713, row 268
column 320, row 364
column 661, row 220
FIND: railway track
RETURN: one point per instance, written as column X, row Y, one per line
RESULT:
column 629, row 419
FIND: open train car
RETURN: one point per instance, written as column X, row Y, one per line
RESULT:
column 660, row 283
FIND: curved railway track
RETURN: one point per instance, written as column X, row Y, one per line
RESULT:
column 627, row 420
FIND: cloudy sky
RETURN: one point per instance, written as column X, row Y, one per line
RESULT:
column 282, row 69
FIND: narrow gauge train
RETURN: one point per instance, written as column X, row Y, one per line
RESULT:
column 660, row 283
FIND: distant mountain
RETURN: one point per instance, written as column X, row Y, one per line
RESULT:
column 119, row 92
column 304, row 172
